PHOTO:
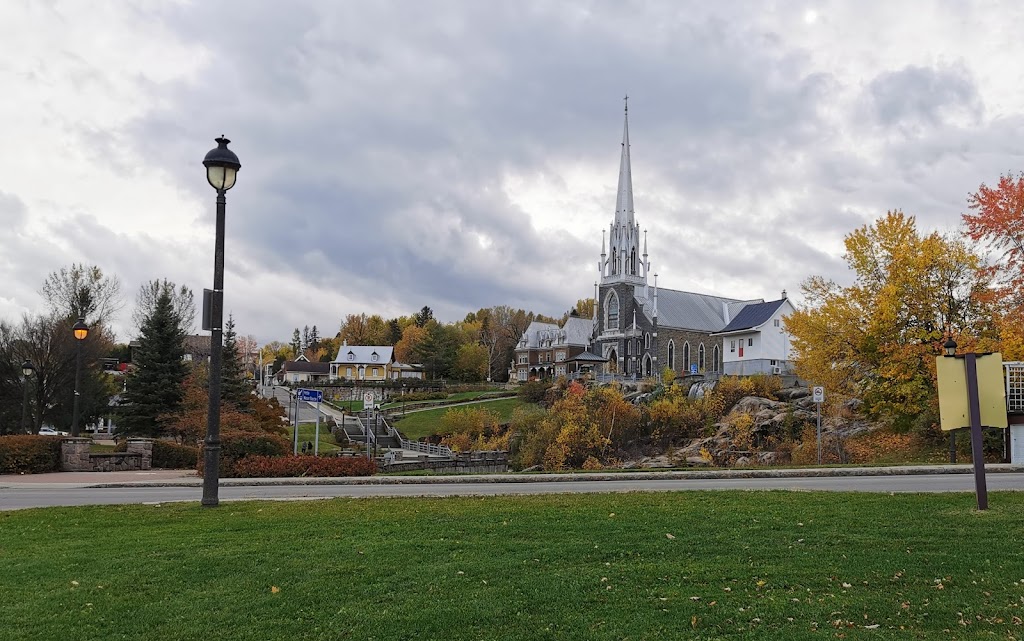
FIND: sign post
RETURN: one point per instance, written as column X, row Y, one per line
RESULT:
column 368, row 406
column 310, row 396
column 818, row 396
column 972, row 394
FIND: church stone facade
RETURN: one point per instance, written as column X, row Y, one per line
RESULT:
column 638, row 329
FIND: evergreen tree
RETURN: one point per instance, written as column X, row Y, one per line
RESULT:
column 233, row 388
column 314, row 339
column 156, row 386
column 394, row 331
column 306, row 342
column 296, row 343
column 424, row 316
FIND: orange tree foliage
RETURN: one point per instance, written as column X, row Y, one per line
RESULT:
column 579, row 426
column 998, row 223
column 473, row 428
column 188, row 425
column 674, row 418
column 877, row 338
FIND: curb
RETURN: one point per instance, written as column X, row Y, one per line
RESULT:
column 995, row 468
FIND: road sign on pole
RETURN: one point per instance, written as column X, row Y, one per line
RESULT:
column 818, row 396
column 311, row 395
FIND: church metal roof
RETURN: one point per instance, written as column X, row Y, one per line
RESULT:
column 754, row 316
column 689, row 310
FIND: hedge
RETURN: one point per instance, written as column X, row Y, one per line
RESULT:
column 291, row 466
column 171, row 456
column 29, row 454
column 235, row 446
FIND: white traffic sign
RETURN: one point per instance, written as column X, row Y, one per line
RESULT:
column 368, row 399
column 818, row 394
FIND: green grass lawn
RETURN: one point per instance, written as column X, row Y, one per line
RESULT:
column 709, row 565
column 396, row 401
column 307, row 432
column 427, row 422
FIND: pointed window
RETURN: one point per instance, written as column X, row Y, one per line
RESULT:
column 612, row 307
column 700, row 357
column 716, row 360
column 686, row 356
column 671, row 354
column 647, row 341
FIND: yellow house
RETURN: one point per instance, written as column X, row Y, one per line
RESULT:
column 363, row 362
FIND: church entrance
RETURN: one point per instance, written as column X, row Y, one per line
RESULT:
column 613, row 362
column 647, row 364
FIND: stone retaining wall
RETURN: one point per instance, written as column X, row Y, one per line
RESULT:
column 463, row 463
column 76, row 457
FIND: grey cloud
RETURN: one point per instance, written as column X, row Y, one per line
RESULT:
column 924, row 96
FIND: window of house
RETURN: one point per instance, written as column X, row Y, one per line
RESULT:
column 374, row 357
column 750, row 342
column 351, row 356
column 348, row 372
column 777, row 322
column 375, row 372
column 559, row 356
column 773, row 361
column 700, row 357
column 732, row 345
column 612, row 321
column 671, row 355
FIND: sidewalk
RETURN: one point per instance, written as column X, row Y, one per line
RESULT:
column 188, row 478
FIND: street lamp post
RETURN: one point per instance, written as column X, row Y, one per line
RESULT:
column 81, row 331
column 221, row 170
column 27, row 370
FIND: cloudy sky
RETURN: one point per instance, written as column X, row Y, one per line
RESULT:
column 465, row 154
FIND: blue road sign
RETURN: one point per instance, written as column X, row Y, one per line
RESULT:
column 311, row 395
column 693, row 368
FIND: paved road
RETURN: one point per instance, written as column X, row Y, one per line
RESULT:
column 24, row 497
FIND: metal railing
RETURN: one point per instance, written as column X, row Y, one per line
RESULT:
column 416, row 446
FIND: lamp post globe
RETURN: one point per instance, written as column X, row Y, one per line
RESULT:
column 27, row 370
column 221, row 171
column 949, row 346
column 81, row 332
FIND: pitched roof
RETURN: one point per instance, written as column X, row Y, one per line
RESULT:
column 587, row 357
column 754, row 315
column 364, row 354
column 576, row 331
column 689, row 310
column 306, row 366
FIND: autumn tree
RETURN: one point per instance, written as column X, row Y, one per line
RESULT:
column 182, row 301
column 997, row 222
column 83, row 291
column 876, row 339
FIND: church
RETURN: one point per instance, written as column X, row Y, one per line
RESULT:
column 641, row 329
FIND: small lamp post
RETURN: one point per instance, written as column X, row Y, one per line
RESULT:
column 27, row 370
column 221, row 170
column 81, row 332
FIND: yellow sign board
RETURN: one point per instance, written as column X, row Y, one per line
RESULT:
column 952, row 378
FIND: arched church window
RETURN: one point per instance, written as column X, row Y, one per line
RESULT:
column 671, row 355
column 716, row 361
column 700, row 357
column 612, row 306
column 647, row 341
column 686, row 356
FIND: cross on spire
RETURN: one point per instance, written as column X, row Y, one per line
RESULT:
column 626, row 100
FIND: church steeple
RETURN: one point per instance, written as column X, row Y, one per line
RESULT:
column 624, row 198
column 624, row 262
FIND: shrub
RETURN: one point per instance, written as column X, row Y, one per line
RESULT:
column 534, row 391
column 421, row 396
column 292, row 466
column 29, row 454
column 235, row 446
column 171, row 456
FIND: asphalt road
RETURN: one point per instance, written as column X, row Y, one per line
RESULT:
column 25, row 497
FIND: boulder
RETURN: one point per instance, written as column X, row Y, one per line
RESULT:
column 697, row 460
column 742, row 461
column 754, row 404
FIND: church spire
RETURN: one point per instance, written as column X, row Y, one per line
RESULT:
column 624, row 199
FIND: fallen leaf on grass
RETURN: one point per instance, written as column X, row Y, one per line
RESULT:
column 669, row 536
column 274, row 589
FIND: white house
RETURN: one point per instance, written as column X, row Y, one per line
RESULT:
column 756, row 342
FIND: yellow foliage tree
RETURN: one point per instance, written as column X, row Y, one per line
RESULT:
column 876, row 339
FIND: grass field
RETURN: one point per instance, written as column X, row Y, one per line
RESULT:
column 427, row 422
column 744, row 565
column 307, row 432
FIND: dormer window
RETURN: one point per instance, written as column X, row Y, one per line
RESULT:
column 374, row 357
column 351, row 356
